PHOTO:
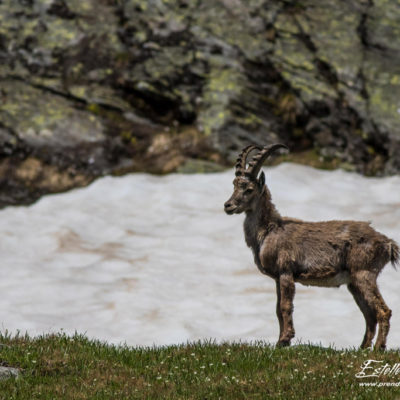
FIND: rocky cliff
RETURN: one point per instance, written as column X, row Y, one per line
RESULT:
column 92, row 87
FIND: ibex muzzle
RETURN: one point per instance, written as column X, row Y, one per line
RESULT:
column 325, row 254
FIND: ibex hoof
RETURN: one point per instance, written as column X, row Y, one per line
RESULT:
column 283, row 343
column 381, row 347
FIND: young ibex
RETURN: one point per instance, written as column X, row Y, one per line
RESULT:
column 326, row 254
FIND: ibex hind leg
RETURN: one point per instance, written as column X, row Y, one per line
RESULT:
column 369, row 315
column 364, row 284
column 384, row 314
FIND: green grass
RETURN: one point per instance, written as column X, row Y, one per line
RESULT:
column 62, row 367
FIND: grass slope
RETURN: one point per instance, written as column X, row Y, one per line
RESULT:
column 62, row 367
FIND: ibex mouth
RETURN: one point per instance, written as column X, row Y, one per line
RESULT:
column 230, row 211
column 229, row 207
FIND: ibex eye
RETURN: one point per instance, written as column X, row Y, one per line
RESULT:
column 248, row 191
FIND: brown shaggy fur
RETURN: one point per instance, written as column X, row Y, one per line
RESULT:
column 325, row 254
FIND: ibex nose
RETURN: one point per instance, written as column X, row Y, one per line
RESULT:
column 229, row 207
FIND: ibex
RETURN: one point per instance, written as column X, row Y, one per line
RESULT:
column 326, row 254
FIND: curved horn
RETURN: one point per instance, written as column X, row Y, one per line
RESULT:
column 241, row 160
column 256, row 163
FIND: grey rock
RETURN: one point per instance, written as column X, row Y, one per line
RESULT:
column 8, row 372
column 87, row 87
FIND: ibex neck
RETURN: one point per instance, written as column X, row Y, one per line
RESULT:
column 260, row 221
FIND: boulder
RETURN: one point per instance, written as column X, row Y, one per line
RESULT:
column 8, row 372
column 107, row 87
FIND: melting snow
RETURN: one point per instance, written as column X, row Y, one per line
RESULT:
column 154, row 260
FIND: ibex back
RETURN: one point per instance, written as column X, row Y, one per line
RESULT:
column 325, row 254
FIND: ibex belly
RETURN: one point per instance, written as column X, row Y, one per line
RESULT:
column 341, row 278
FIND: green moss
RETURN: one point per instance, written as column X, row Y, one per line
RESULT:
column 94, row 108
column 193, row 166
column 312, row 158
column 371, row 150
column 128, row 137
column 298, row 132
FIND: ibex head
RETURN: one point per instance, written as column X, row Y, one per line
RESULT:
column 247, row 186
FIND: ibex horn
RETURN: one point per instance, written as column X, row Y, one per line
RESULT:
column 241, row 161
column 256, row 163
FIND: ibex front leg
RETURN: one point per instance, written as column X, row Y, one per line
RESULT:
column 286, row 290
column 278, row 307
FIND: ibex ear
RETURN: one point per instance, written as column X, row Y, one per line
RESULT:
column 261, row 180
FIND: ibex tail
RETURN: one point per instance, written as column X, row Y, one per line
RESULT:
column 394, row 254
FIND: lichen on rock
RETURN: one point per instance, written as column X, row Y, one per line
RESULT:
column 92, row 87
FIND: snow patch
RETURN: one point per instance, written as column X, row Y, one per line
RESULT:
column 149, row 260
